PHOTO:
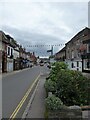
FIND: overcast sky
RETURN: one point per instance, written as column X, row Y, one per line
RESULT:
column 43, row 23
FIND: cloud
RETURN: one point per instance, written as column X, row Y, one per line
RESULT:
column 27, row 39
column 43, row 22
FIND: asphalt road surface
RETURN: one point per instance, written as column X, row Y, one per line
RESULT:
column 14, row 87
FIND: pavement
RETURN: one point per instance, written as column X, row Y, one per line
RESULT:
column 36, row 105
column 13, row 72
column 37, row 108
column 86, row 74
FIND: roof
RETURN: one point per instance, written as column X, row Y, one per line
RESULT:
column 74, row 38
column 12, row 42
column 62, row 50
column 4, row 38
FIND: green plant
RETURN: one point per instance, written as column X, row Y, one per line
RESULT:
column 72, row 88
column 50, row 85
column 58, row 66
column 53, row 103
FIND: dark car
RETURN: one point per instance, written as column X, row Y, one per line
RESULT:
column 48, row 65
column 41, row 64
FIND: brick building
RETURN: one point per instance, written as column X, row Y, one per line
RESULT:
column 61, row 55
column 75, row 49
column 86, row 57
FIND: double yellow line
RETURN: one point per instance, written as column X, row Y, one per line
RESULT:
column 23, row 99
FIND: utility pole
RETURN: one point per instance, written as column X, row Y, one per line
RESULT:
column 52, row 50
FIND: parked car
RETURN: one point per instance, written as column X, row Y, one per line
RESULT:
column 41, row 64
column 48, row 65
column 30, row 64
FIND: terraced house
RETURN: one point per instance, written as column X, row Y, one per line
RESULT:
column 10, row 51
column 4, row 43
column 76, row 48
column 86, row 57
column 12, row 55
column 61, row 55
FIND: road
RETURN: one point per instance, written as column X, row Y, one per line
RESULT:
column 14, row 87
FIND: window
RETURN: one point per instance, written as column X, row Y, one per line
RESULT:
column 72, row 54
column 11, row 51
column 89, row 48
column 72, row 65
column 86, row 64
column 77, row 63
column 8, row 51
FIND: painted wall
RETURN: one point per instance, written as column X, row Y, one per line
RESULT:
column 9, row 65
column 79, row 68
column 16, row 54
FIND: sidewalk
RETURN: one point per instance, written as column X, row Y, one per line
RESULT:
column 86, row 74
column 13, row 72
column 37, row 108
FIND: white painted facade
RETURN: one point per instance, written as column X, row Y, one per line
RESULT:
column 77, row 64
column 9, row 60
column 52, row 60
column 9, row 65
column 16, row 53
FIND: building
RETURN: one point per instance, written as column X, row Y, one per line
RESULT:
column 33, row 58
column 0, row 52
column 10, row 52
column 16, row 57
column 61, row 55
column 0, row 61
column 3, row 47
column 21, row 57
column 75, row 49
column 12, row 55
column 24, row 58
column 86, row 57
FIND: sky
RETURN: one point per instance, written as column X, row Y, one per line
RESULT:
column 43, row 23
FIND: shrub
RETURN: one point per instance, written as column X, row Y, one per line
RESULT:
column 72, row 88
column 53, row 103
column 50, row 85
column 58, row 66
